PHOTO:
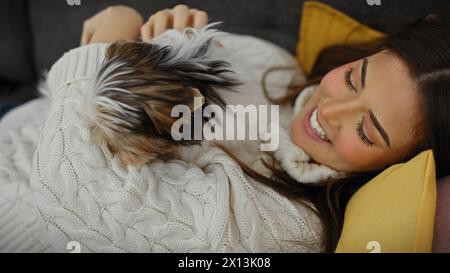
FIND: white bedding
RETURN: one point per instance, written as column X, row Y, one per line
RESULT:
column 57, row 187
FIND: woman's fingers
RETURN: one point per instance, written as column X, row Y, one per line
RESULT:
column 161, row 22
column 147, row 29
column 180, row 15
column 200, row 19
column 179, row 18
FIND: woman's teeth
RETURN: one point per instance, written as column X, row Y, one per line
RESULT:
column 316, row 126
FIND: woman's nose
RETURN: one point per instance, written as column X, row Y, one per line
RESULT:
column 334, row 111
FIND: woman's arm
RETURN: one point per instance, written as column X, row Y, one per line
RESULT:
column 112, row 24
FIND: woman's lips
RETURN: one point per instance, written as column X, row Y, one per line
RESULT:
column 309, row 131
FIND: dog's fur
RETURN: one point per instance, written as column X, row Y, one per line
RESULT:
column 139, row 84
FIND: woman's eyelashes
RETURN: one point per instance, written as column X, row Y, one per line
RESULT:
column 348, row 80
column 359, row 126
column 362, row 135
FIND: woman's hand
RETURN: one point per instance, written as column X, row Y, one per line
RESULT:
column 112, row 24
column 179, row 18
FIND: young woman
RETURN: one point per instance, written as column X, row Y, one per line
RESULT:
column 368, row 107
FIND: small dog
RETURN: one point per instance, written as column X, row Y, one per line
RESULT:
column 139, row 83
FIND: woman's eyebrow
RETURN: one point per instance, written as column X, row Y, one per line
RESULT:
column 365, row 62
column 380, row 128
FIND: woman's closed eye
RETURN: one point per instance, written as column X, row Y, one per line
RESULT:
column 349, row 81
column 362, row 135
column 352, row 87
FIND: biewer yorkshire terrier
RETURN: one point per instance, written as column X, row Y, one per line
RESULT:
column 139, row 83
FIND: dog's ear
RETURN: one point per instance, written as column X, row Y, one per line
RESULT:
column 193, row 57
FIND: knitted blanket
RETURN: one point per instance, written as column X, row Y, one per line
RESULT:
column 57, row 188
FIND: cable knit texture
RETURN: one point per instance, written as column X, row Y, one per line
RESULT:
column 78, row 192
column 21, row 228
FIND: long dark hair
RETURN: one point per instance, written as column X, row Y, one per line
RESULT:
column 425, row 48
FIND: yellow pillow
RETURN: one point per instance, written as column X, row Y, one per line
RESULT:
column 395, row 211
column 322, row 26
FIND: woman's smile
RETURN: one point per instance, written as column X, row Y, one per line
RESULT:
column 360, row 116
column 313, row 128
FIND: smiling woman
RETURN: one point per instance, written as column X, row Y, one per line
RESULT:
column 359, row 115
column 372, row 105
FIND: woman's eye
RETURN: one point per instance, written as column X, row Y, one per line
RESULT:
column 348, row 80
column 362, row 135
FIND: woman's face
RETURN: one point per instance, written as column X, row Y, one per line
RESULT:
column 362, row 116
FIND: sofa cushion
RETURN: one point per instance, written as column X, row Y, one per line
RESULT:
column 394, row 212
column 322, row 26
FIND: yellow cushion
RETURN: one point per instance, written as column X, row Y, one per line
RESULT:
column 322, row 26
column 395, row 211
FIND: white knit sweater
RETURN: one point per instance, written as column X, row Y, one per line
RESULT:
column 78, row 192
